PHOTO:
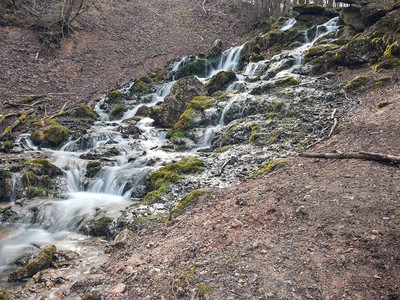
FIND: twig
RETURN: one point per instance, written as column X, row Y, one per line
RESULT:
column 335, row 122
column 379, row 157
column 22, row 104
column 204, row 9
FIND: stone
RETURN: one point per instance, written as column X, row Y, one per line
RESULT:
column 49, row 133
column 220, row 81
column 40, row 262
column 215, row 49
column 5, row 186
column 182, row 92
column 122, row 237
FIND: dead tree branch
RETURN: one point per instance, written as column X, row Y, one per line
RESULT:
column 379, row 157
column 204, row 9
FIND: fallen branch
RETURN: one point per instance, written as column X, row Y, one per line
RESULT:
column 22, row 118
column 204, row 9
column 60, row 113
column 335, row 122
column 379, row 157
column 22, row 104
column 3, row 117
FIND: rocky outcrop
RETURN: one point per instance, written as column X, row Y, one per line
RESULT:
column 215, row 49
column 48, row 133
column 42, row 261
column 182, row 92
column 220, row 81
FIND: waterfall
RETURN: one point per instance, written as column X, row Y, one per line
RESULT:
column 288, row 24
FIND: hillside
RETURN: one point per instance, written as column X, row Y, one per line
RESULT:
column 192, row 181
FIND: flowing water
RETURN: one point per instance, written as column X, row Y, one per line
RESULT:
column 59, row 221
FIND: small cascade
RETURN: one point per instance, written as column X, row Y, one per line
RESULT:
column 229, row 60
column 288, row 24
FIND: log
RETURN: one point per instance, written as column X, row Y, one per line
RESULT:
column 21, row 119
column 379, row 157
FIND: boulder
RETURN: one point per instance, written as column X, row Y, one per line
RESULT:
column 220, row 81
column 215, row 49
column 48, row 133
column 40, row 262
column 182, row 92
column 311, row 9
column 85, row 112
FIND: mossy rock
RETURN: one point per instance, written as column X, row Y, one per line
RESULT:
column 319, row 50
column 254, row 131
column 387, row 63
column 393, row 49
column 194, row 109
column 256, row 58
column 215, row 49
column 197, row 67
column 118, row 112
column 114, row 96
column 3, row 295
column 185, row 201
column 142, row 86
column 5, row 186
column 85, row 112
column 40, row 262
column 310, row 9
column 91, row 296
column 356, row 84
column 220, row 81
column 182, row 92
column 7, row 147
column 28, row 100
column 284, row 83
column 169, row 174
column 49, row 133
column 144, row 111
column 160, row 75
column 93, row 168
column 99, row 227
column 42, row 166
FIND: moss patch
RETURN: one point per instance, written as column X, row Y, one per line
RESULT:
column 356, row 84
column 267, row 168
column 284, row 83
column 85, row 112
column 195, row 107
column 49, row 133
column 5, row 187
column 42, row 261
column 254, row 131
column 197, row 67
column 118, row 112
column 169, row 174
column 185, row 201
column 220, row 81
column 114, row 96
column 93, row 168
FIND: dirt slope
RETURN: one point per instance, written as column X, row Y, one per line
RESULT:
column 115, row 41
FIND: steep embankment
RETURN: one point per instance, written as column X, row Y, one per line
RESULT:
column 114, row 42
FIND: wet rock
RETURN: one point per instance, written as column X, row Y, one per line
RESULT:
column 114, row 96
column 118, row 112
column 24, row 259
column 122, row 237
column 42, row 261
column 215, row 49
column 85, row 112
column 102, row 226
column 197, row 67
column 220, row 81
column 182, row 92
column 5, row 186
column 143, row 111
column 93, row 168
column 48, row 133
column 311, row 9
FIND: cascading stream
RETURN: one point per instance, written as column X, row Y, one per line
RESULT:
column 57, row 221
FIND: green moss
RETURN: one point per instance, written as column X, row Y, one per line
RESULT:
column 356, row 84
column 382, row 81
column 222, row 149
column 42, row 166
column 186, row 279
column 254, row 131
column 114, row 96
column 49, row 133
column 386, row 64
column 93, row 168
column 284, row 83
column 7, row 146
column 42, row 261
column 220, row 81
column 267, row 168
column 195, row 107
column 29, row 100
column 85, row 112
column 256, row 58
column 319, row 50
column 161, row 75
column 169, row 174
column 197, row 67
column 384, row 104
column 100, row 227
column 393, row 50
column 185, row 201
column 271, row 116
column 3, row 295
column 118, row 112
column 205, row 289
